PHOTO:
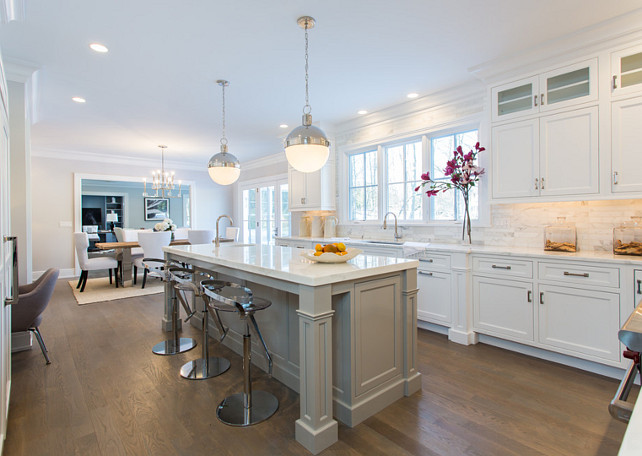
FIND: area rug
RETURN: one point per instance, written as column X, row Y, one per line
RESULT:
column 100, row 290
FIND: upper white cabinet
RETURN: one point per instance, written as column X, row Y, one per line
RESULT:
column 626, row 138
column 312, row 191
column 553, row 155
column 556, row 89
column 626, row 69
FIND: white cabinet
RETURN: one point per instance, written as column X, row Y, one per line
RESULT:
column 503, row 308
column 556, row 89
column 296, row 243
column 434, row 299
column 578, row 321
column 626, row 69
column 637, row 291
column 312, row 191
column 626, row 138
column 554, row 155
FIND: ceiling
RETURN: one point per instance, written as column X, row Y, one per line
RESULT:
column 156, row 85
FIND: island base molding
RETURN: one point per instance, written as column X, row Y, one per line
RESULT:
column 463, row 337
column 316, row 440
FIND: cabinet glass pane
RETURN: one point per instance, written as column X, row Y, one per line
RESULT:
column 631, row 63
column 568, row 86
column 515, row 99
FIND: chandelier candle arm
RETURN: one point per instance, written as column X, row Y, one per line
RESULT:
column 307, row 147
column 162, row 180
column 224, row 168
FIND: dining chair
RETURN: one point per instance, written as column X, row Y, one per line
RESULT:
column 200, row 236
column 232, row 232
column 180, row 233
column 152, row 262
column 92, row 264
column 33, row 299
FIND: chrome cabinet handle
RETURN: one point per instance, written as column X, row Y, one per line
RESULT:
column 425, row 273
column 501, row 267
column 615, row 81
column 575, row 274
column 14, row 263
column 541, row 181
column 536, row 183
column 639, row 284
column 541, row 99
column 302, row 200
column 529, row 296
column 427, row 260
column 541, row 297
column 535, row 98
column 615, row 174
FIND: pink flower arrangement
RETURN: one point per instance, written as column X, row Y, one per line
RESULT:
column 464, row 175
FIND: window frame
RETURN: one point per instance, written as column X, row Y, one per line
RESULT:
column 426, row 140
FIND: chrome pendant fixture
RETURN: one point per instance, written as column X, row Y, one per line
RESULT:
column 224, row 168
column 306, row 147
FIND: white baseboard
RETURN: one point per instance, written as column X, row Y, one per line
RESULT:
column 21, row 341
column 66, row 273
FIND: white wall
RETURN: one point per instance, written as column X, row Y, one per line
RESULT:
column 52, row 182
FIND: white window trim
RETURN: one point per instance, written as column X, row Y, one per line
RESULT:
column 425, row 136
column 257, row 183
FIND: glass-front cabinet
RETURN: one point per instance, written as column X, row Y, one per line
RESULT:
column 556, row 89
column 626, row 68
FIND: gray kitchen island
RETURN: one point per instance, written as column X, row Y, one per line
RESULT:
column 343, row 335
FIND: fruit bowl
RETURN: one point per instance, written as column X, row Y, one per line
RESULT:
column 329, row 257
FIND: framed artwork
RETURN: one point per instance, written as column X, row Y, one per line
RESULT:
column 156, row 208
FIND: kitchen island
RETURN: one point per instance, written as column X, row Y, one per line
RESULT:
column 343, row 335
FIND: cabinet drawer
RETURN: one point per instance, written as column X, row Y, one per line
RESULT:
column 431, row 261
column 577, row 273
column 503, row 266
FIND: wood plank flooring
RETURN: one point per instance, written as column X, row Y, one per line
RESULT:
column 105, row 393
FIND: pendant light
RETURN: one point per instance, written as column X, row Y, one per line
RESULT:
column 306, row 147
column 224, row 168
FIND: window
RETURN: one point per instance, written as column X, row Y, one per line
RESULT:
column 449, row 205
column 399, row 167
column 404, row 167
column 362, row 186
column 265, row 210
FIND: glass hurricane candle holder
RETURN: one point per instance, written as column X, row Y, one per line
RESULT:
column 627, row 238
column 561, row 237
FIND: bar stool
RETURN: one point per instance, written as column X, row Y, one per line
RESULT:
column 206, row 367
column 176, row 344
column 249, row 407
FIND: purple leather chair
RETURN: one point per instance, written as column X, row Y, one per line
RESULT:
column 33, row 299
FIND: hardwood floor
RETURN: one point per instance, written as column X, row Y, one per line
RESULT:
column 105, row 393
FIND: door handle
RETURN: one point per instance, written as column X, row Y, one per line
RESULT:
column 541, row 99
column 541, row 182
column 529, row 296
column 615, row 81
column 541, row 297
column 639, row 285
column 535, row 100
column 536, row 183
column 14, row 264
column 615, row 178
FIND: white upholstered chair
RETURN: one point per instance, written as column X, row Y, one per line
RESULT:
column 152, row 262
column 92, row 264
column 200, row 236
column 232, row 232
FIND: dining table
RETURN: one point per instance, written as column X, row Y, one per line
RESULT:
column 125, row 248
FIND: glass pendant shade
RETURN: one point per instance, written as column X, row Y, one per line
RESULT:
column 224, row 168
column 307, row 148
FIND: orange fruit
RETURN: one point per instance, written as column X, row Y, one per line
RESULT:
column 330, row 248
column 317, row 253
column 318, row 247
column 341, row 246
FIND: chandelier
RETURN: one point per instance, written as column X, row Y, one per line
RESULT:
column 306, row 147
column 162, row 181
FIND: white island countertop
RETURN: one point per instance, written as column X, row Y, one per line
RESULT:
column 286, row 263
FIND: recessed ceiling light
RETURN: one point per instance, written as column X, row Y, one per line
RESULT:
column 283, row 126
column 98, row 47
column 412, row 95
column 78, row 99
column 362, row 111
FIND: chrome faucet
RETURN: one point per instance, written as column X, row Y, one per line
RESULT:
column 217, row 242
column 385, row 224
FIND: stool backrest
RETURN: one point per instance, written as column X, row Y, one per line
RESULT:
column 232, row 232
column 153, row 242
column 82, row 243
column 200, row 236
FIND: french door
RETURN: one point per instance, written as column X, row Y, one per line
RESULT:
column 265, row 211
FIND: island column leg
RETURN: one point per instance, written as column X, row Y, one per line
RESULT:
column 315, row 429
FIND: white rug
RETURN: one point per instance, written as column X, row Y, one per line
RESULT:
column 100, row 290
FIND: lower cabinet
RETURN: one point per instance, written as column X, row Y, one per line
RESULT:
column 579, row 321
column 434, row 297
column 503, row 308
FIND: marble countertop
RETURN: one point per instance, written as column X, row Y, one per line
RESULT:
column 588, row 255
column 286, row 263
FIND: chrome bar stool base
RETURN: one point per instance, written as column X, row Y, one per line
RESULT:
column 174, row 347
column 232, row 410
column 201, row 369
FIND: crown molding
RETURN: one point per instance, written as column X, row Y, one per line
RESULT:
column 115, row 159
column 264, row 161
column 614, row 32
column 17, row 70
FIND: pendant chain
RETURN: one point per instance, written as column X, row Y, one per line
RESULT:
column 223, row 139
column 307, row 108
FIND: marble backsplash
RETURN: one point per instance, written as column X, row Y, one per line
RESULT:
column 522, row 225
